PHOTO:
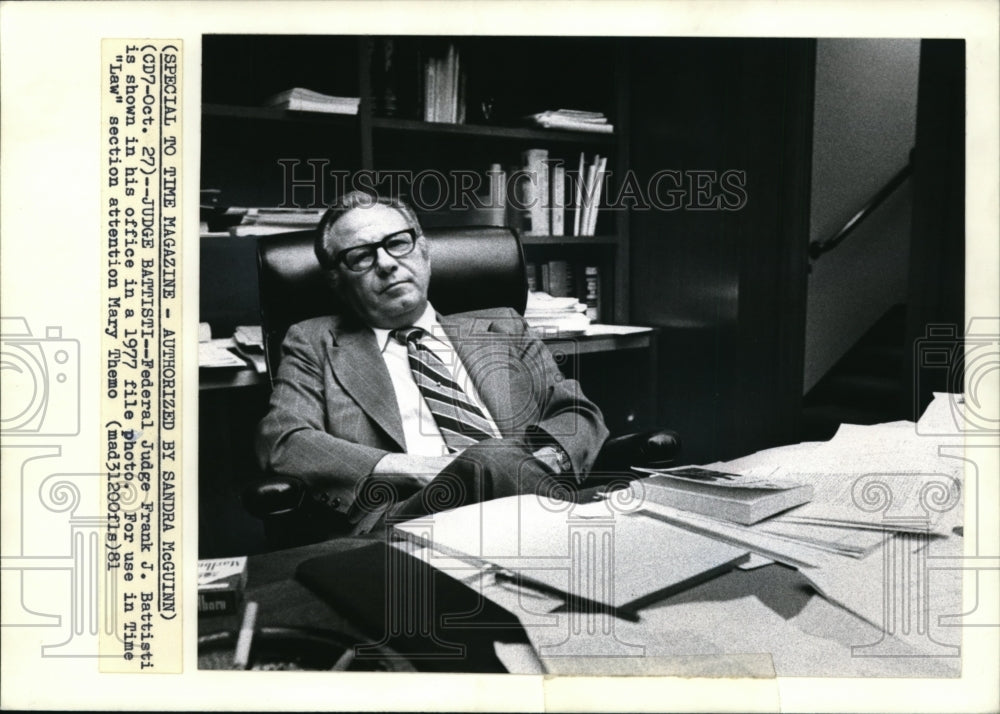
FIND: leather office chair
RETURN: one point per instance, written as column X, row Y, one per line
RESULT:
column 473, row 268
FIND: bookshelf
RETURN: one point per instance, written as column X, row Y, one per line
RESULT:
column 506, row 78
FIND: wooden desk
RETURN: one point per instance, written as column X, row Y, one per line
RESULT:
column 761, row 622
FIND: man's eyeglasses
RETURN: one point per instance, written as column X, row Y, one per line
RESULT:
column 361, row 258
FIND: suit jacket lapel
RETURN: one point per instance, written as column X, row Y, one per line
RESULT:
column 486, row 356
column 359, row 368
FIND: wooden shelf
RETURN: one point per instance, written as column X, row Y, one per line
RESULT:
column 603, row 241
column 605, row 338
column 495, row 132
column 235, row 111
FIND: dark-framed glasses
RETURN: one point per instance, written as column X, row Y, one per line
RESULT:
column 362, row 258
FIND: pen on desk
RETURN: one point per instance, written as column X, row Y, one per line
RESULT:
column 241, row 657
column 507, row 576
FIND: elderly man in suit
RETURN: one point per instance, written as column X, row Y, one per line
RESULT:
column 395, row 409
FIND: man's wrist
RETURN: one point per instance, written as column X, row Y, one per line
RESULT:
column 555, row 458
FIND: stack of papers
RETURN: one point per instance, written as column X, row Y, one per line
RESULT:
column 573, row 120
column 561, row 315
column 298, row 99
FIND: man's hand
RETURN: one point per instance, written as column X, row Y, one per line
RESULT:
column 409, row 470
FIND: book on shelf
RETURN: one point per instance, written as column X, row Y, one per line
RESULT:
column 592, row 291
column 561, row 283
column 558, row 199
column 497, row 179
column 299, row 99
column 724, row 496
column 598, row 187
column 578, row 202
column 221, row 582
column 444, row 88
column 531, row 273
column 589, row 186
column 536, row 190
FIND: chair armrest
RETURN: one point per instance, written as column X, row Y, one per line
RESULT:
column 291, row 516
column 656, row 448
column 274, row 496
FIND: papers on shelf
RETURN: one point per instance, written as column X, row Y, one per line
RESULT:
column 245, row 347
column 599, row 329
column 573, row 120
column 306, row 100
column 217, row 353
column 564, row 315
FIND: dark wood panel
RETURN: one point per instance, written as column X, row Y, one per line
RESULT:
column 723, row 272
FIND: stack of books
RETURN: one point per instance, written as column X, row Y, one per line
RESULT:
column 543, row 191
column 264, row 221
column 589, row 185
column 444, row 88
column 298, row 99
column 559, row 278
column 573, row 120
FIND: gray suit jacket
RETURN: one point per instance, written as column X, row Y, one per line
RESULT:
column 333, row 412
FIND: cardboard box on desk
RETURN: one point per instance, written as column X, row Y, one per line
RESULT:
column 221, row 582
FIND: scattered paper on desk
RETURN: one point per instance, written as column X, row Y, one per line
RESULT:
column 630, row 561
column 783, row 550
column 886, row 476
column 866, row 587
column 204, row 332
column 841, row 540
column 944, row 415
column 216, row 353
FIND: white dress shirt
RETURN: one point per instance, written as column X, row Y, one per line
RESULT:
column 421, row 432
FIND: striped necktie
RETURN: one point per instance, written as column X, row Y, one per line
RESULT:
column 461, row 422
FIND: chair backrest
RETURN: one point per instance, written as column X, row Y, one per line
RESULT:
column 471, row 268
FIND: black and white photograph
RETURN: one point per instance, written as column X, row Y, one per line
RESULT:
column 481, row 356
column 474, row 307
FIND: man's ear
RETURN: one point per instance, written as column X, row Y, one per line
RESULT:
column 332, row 280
